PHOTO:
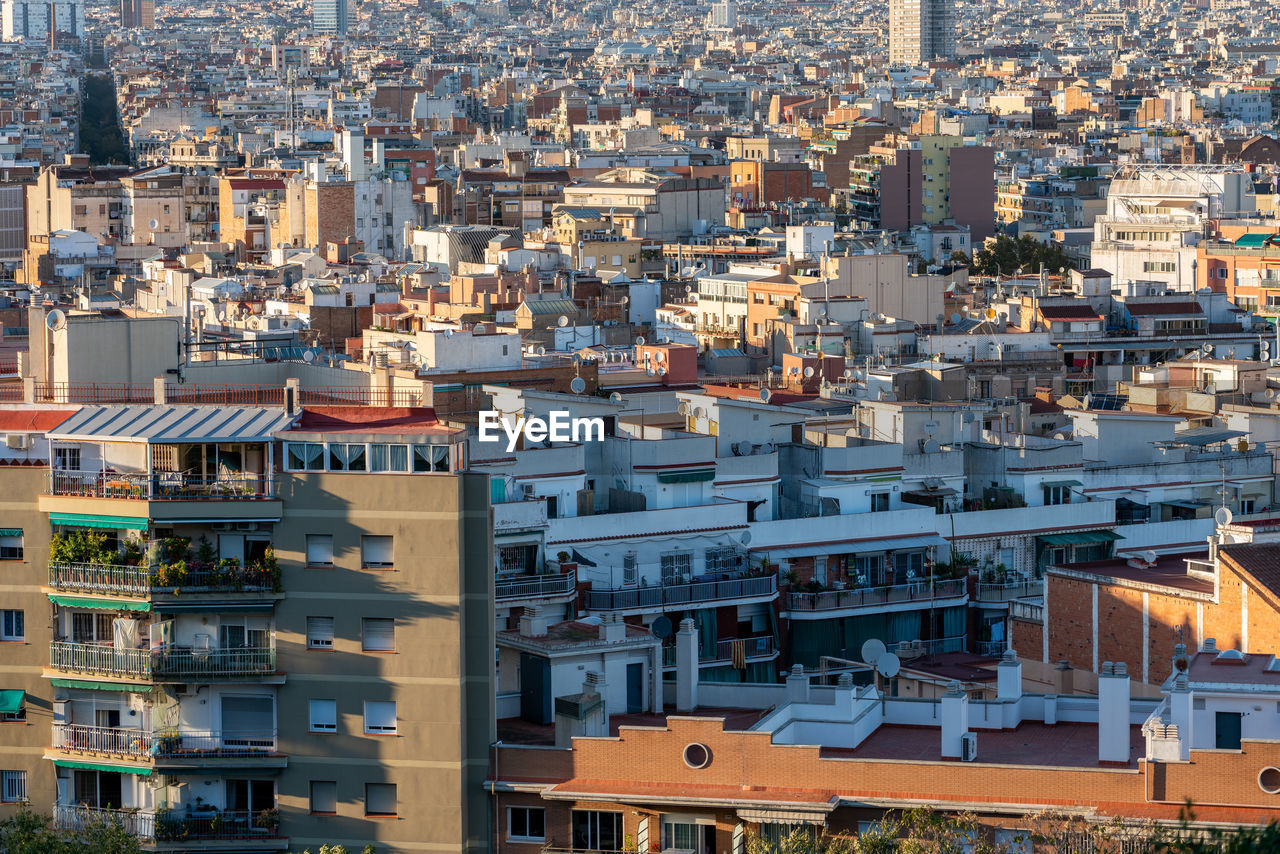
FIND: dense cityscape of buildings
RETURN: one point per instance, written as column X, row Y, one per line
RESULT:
column 922, row 360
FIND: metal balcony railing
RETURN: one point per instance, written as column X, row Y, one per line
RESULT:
column 195, row 744
column 118, row 741
column 160, row 485
column 862, row 597
column 533, row 587
column 753, row 649
column 1030, row 611
column 134, row 823
column 141, row 580
column 1006, row 591
column 176, row 664
column 100, row 659
column 174, row 826
column 100, row 578
column 680, row 594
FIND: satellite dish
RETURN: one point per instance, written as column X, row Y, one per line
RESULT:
column 1149, row 556
column 661, row 627
column 699, row 412
column 888, row 665
column 562, row 322
column 990, row 314
column 1222, row 516
column 931, row 446
column 745, row 539
column 624, row 300
column 872, row 650
column 1208, row 349
column 660, row 356
column 616, row 397
column 859, row 375
column 308, row 356
column 742, row 449
column 968, row 418
column 683, row 409
column 56, row 319
column 808, row 372
column 767, row 448
column 1243, row 445
column 154, row 223
column 848, row 374
column 662, row 372
column 578, row 385
column 640, row 341
column 930, row 427
column 650, row 371
column 542, row 351
column 765, row 395
column 955, row 318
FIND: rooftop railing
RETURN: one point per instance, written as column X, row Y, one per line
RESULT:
column 679, row 594
column 862, row 597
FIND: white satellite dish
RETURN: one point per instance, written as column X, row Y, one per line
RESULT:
column 562, row 322
column 888, row 665
column 1222, row 516
column 154, row 223
column 662, row 372
column 578, row 385
column 930, row 427
column 683, row 409
column 808, row 372
column 859, row 374
column 542, row 351
column 765, row 395
column 56, row 319
column 931, row 446
column 1149, row 556
column 955, row 318
column 745, row 539
column 872, row 650
column 699, row 412
column 660, row 356
column 308, row 356
column 650, row 371
column 742, row 449
column 848, row 374
column 616, row 397
column 640, row 341
column 767, row 448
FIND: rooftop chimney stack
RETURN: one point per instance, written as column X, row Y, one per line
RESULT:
column 1181, row 703
column 955, row 720
column 1009, row 677
column 1113, row 713
column 687, row 667
column 797, row 685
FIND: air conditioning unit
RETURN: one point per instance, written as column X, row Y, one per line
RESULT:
column 17, row 441
column 222, row 526
column 246, row 526
column 189, row 689
column 528, row 489
column 969, row 747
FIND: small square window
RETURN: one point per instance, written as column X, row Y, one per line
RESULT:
column 11, row 544
column 324, row 715
column 319, row 632
column 324, row 797
column 380, row 717
column 379, row 798
column 376, row 552
column 13, row 625
column 13, row 787
column 378, row 634
column 526, row 824
column 320, row 550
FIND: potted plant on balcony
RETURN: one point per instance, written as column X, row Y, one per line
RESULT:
column 267, row 819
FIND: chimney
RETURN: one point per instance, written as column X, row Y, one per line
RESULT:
column 532, row 623
column 1181, row 702
column 686, row 667
column 955, row 720
column 1113, row 713
column 612, row 629
column 797, row 685
column 1050, row 709
column 1064, row 678
column 1210, row 646
column 1009, row 677
column 845, row 696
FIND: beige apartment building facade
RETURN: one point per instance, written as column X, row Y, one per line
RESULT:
column 246, row 628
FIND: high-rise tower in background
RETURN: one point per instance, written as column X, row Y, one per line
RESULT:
column 329, row 16
column 921, row 30
column 137, row 14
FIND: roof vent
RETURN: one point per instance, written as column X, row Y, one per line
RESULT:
column 1230, row 656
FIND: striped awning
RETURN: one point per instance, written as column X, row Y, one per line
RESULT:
column 84, row 520
column 140, row 770
column 75, row 600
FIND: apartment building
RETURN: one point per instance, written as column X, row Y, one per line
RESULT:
column 921, row 31
column 236, row 603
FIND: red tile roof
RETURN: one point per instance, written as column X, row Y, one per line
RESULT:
column 370, row 419
column 32, row 420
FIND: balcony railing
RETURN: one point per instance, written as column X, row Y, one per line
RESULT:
column 174, row 663
column 160, row 485
column 1008, row 590
column 174, row 826
column 1032, row 612
column 862, row 597
column 533, row 587
column 680, row 594
column 142, row 580
column 753, row 649
column 100, row 659
column 118, row 741
column 993, row 649
column 196, row 744
column 134, row 823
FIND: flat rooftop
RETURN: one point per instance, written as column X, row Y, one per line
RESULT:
column 1072, row 745
column 1169, row 570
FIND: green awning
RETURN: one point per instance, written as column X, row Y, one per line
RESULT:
column 142, row 771
column 687, row 476
column 99, row 685
column 1080, row 538
column 85, row 520
column 223, row 607
column 11, row 701
column 73, row 600
column 1068, row 483
column 1256, row 241
column 10, row 532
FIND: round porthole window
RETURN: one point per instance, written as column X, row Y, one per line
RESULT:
column 697, row 755
column 1269, row 780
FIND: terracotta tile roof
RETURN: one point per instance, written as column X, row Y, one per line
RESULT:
column 1260, row 560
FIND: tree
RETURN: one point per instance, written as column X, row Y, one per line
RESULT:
column 959, row 259
column 27, row 832
column 1004, row 256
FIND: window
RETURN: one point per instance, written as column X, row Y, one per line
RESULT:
column 388, row 458
column 526, row 823
column 324, row 797
column 319, row 632
column 346, row 457
column 1057, row 495
column 10, row 544
column 13, row 626
column 376, row 552
column 879, row 501
column 380, row 717
column 594, row 830
column 304, row 456
column 379, row 634
column 430, row 458
column 13, row 787
column 319, row 549
column 66, row 459
column 676, row 567
column 324, row 715
column 379, row 798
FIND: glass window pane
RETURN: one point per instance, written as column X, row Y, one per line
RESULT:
column 422, row 458
column 377, row 458
column 355, row 458
column 337, row 457
column 399, row 458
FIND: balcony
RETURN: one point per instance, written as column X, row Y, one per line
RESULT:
column 1008, row 590
column 142, row 581
column 132, row 822
column 661, row 596
column 164, row 486
column 171, row 664
column 760, row 648
column 534, row 587
column 167, row 747
column 114, row 741
column 891, row 597
column 173, row 826
column 1031, row 612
